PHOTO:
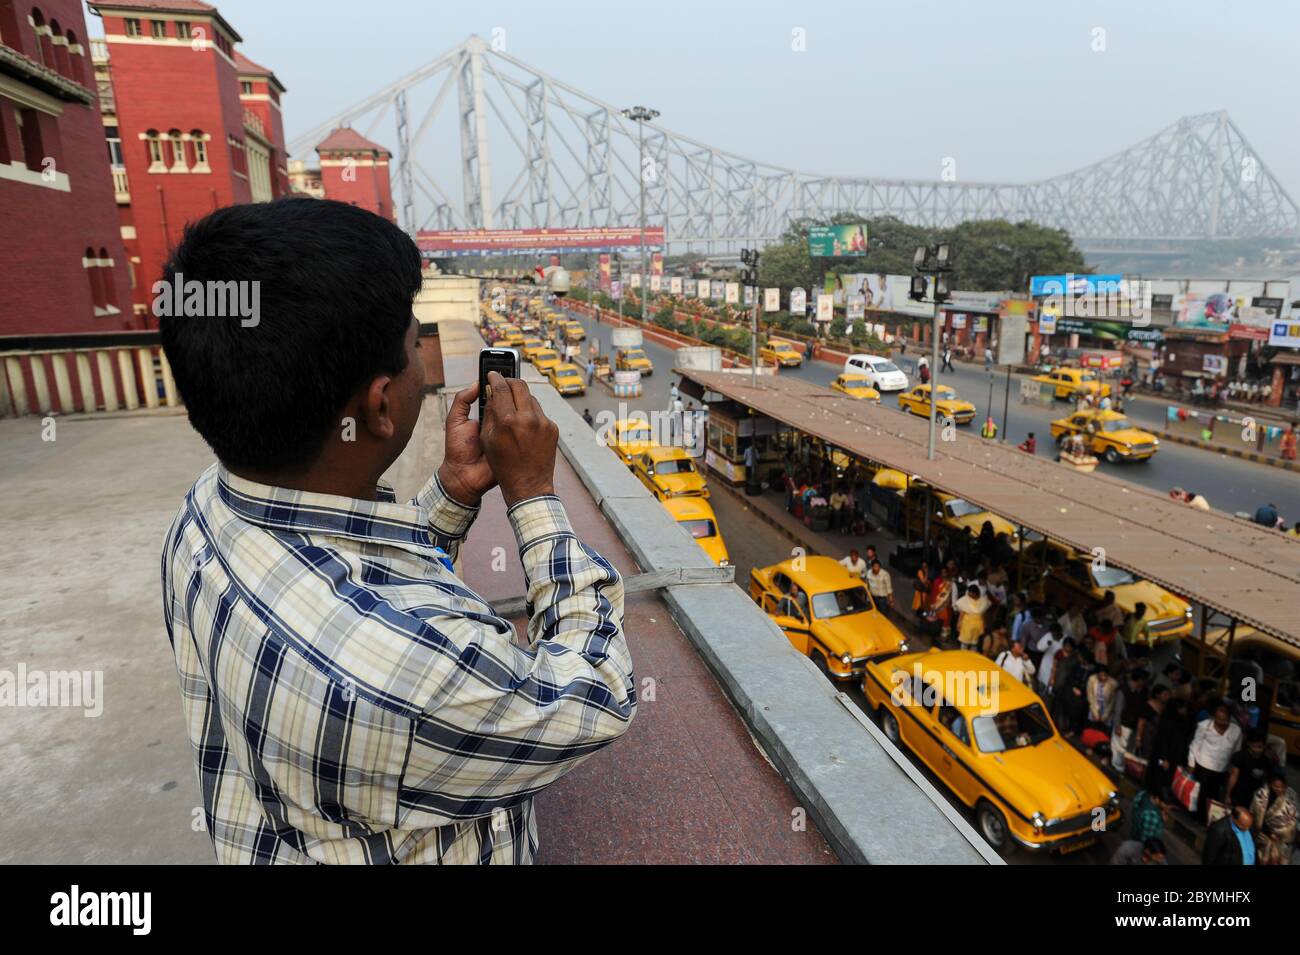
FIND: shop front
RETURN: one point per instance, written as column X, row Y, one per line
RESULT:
column 731, row 428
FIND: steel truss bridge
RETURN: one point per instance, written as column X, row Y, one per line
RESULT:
column 565, row 159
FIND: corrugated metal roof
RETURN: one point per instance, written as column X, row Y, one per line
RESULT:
column 1230, row 565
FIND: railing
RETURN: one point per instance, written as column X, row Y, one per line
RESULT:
column 90, row 373
column 121, row 186
column 98, row 49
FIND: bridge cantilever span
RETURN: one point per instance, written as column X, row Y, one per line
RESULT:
column 566, row 159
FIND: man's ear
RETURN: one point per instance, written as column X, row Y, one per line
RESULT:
column 376, row 410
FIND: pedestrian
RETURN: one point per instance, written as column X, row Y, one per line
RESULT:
column 1249, row 769
column 841, row 508
column 1069, row 681
column 675, row 420
column 1048, row 645
column 591, row 370
column 1286, row 447
column 751, row 461
column 1210, row 755
column 921, row 589
column 988, row 358
column 1029, row 445
column 1017, row 663
column 1229, row 841
column 881, row 585
column 1275, row 808
column 947, row 359
column 1133, row 852
column 1103, row 691
column 855, row 565
column 971, row 608
column 989, row 431
column 586, row 416
column 925, row 372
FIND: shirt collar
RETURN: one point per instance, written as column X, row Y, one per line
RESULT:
column 381, row 521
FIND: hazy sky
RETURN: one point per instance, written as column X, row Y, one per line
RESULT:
column 1010, row 90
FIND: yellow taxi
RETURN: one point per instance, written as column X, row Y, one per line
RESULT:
column 1069, row 382
column 952, row 514
column 633, row 359
column 1108, row 434
column 826, row 613
column 566, row 378
column 629, row 437
column 988, row 737
column 781, row 353
column 856, row 386
column 669, row 472
column 695, row 516
column 531, row 347
column 948, row 405
column 573, row 331
column 544, row 359
column 512, row 337
column 1079, row 577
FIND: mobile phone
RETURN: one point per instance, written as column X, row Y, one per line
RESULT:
column 504, row 361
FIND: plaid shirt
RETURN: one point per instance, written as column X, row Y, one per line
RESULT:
column 349, row 700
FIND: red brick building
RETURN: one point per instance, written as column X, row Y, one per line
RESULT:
column 62, row 263
column 355, row 170
column 194, row 124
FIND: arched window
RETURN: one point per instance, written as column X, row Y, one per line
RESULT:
column 178, row 149
column 44, row 49
column 154, row 145
column 60, row 45
column 200, row 148
column 77, row 56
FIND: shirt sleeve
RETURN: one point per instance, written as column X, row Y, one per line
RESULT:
column 516, row 718
column 449, row 520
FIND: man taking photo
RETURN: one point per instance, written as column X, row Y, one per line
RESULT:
column 348, row 698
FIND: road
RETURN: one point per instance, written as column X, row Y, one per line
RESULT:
column 1229, row 484
column 752, row 542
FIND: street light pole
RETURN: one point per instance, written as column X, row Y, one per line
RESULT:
column 642, row 115
column 932, row 262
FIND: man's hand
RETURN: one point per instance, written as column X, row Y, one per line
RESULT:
column 465, row 472
column 518, row 440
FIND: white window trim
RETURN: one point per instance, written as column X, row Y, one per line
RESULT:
column 18, row 172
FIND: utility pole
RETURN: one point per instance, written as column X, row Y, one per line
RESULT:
column 642, row 115
column 932, row 263
column 749, row 277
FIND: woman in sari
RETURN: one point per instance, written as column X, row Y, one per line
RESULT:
column 921, row 589
column 941, row 599
column 1276, row 808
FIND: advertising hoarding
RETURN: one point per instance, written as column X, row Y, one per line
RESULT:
column 771, row 300
column 837, row 241
column 452, row 242
column 798, row 301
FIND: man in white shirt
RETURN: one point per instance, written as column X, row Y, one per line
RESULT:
column 881, row 585
column 1210, row 755
column 854, row 564
column 1048, row 644
column 1015, row 662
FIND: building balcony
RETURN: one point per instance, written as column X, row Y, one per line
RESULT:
column 98, row 50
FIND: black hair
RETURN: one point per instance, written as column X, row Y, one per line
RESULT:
column 334, row 307
column 1154, row 846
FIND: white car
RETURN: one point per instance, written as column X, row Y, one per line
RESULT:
column 883, row 374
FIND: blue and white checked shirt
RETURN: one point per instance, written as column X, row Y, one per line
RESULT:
column 349, row 700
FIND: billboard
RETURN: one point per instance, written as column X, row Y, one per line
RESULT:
column 798, row 301
column 825, row 307
column 675, row 285
column 1284, row 334
column 733, row 293
column 771, row 300
column 1070, row 284
column 452, row 242
column 837, row 241
column 605, row 270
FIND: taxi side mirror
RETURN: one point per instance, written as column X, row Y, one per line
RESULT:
column 789, row 623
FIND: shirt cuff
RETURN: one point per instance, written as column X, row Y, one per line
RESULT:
column 538, row 519
column 447, row 517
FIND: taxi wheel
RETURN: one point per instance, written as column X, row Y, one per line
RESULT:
column 993, row 826
column 819, row 662
column 889, row 724
column 1112, row 456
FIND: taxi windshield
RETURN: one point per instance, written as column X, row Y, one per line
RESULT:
column 637, row 434
column 959, row 508
column 700, row 528
column 674, row 466
column 1116, row 424
column 943, row 391
column 1014, row 729
column 840, row 603
column 545, row 353
column 1112, row 577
